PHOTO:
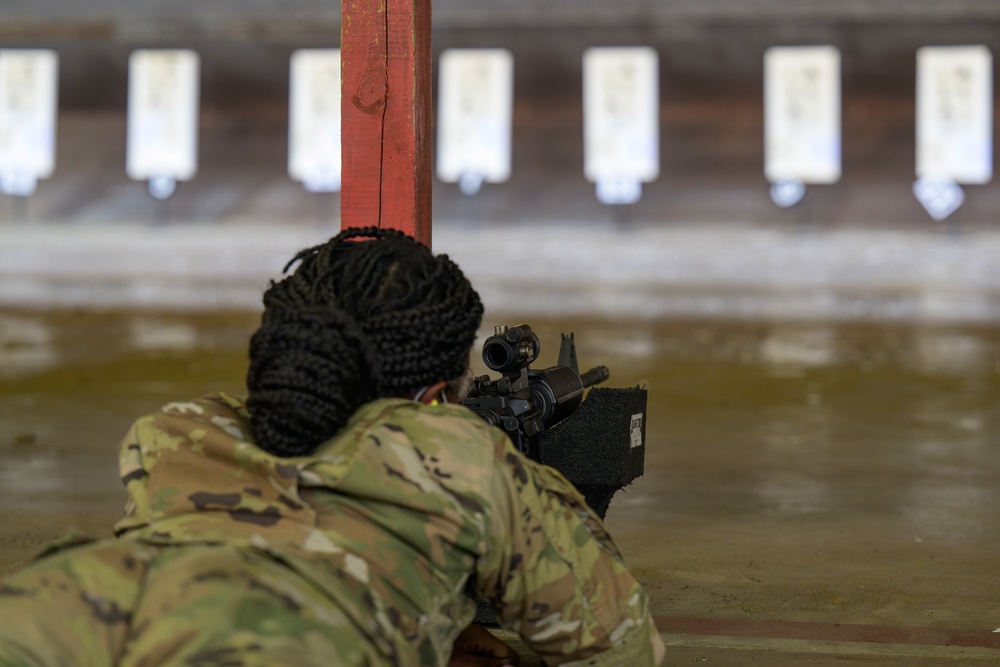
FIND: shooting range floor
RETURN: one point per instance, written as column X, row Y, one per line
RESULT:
column 820, row 492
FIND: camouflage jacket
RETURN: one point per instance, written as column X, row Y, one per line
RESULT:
column 401, row 519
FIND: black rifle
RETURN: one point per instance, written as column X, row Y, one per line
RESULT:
column 598, row 444
column 525, row 402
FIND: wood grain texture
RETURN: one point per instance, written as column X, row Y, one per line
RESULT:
column 386, row 115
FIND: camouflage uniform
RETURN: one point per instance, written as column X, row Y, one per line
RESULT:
column 369, row 552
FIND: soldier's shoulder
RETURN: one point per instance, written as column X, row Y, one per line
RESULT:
column 448, row 421
column 208, row 406
column 434, row 430
column 223, row 411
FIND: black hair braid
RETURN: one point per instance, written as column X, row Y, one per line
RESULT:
column 358, row 319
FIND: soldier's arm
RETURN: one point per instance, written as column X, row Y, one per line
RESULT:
column 555, row 576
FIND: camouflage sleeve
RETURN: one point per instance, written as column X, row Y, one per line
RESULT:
column 134, row 477
column 555, row 576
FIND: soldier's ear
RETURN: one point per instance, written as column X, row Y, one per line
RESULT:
column 432, row 393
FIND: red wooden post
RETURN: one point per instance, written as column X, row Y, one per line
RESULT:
column 385, row 48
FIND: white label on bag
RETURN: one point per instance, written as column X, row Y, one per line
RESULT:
column 636, row 430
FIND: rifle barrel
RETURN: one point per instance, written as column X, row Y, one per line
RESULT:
column 595, row 375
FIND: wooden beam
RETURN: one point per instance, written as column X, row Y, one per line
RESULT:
column 386, row 115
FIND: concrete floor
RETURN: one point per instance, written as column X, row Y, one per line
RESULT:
column 814, row 492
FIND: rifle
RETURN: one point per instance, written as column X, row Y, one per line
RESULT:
column 597, row 444
column 525, row 402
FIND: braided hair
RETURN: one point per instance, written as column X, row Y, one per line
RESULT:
column 370, row 313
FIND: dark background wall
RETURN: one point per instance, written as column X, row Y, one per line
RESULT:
column 711, row 68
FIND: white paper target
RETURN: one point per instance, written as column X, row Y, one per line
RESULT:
column 162, row 114
column 28, row 91
column 621, row 115
column 802, row 135
column 314, row 134
column 475, row 104
column 955, row 114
